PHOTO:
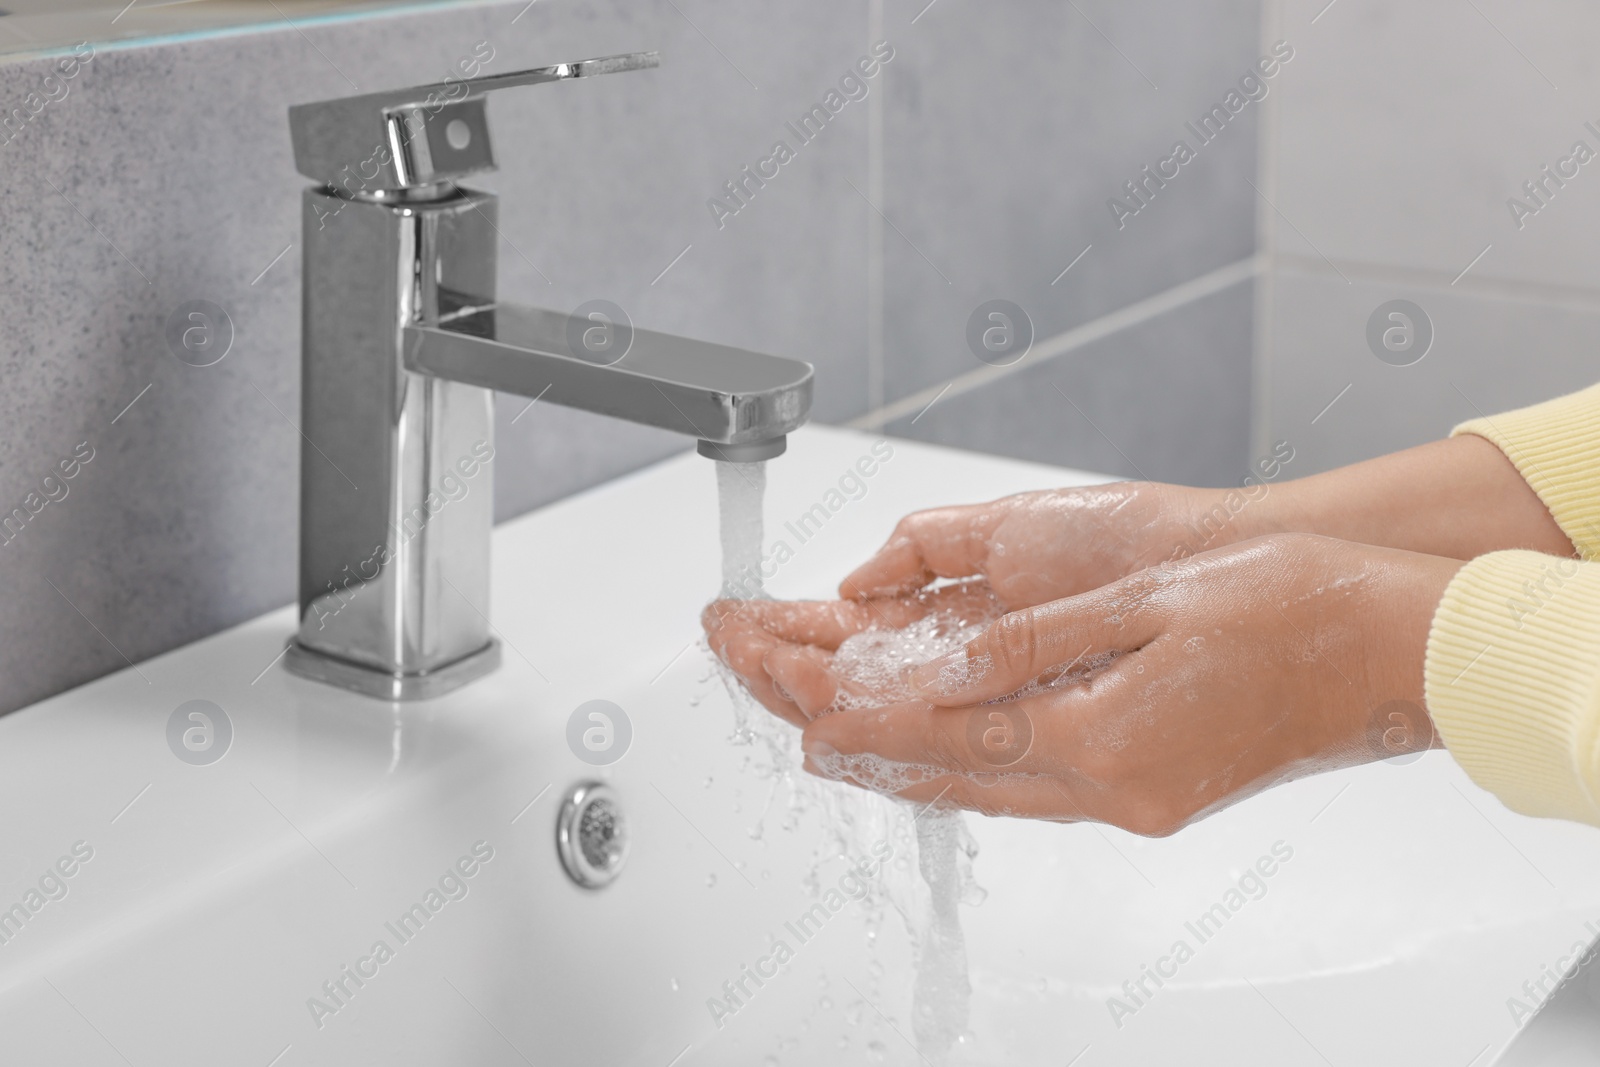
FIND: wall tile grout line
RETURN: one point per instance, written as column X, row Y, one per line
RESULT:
column 1131, row 315
column 1523, row 292
column 1266, row 244
column 875, row 228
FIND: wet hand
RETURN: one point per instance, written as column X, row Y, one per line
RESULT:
column 1228, row 672
column 766, row 641
column 1040, row 546
column 1028, row 549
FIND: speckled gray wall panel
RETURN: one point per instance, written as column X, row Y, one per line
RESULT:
column 1166, row 400
column 1010, row 126
column 165, row 176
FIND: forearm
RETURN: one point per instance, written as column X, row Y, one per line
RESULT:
column 1459, row 498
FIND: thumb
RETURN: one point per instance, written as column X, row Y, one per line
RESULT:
column 942, row 543
column 1023, row 646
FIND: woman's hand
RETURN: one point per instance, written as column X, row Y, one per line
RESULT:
column 1029, row 548
column 1459, row 498
column 1233, row 670
column 763, row 641
column 1045, row 545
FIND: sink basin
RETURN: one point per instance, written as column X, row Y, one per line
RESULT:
column 211, row 906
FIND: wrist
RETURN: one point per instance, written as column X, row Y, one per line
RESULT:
column 1221, row 517
column 1396, row 639
column 1460, row 497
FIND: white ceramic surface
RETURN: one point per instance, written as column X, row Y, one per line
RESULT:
column 219, row 898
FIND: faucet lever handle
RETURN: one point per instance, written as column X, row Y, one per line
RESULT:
column 404, row 138
column 584, row 68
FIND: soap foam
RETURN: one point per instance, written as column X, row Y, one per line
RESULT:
column 874, row 772
column 887, row 776
column 876, row 664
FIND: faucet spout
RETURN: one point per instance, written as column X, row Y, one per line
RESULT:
column 725, row 396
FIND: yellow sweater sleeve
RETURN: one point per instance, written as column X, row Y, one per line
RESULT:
column 1513, row 680
column 1556, row 447
column 1513, row 661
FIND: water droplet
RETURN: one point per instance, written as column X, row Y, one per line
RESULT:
column 708, row 781
column 1194, row 644
column 711, row 880
column 1138, row 668
column 674, row 984
column 877, row 1051
column 875, row 969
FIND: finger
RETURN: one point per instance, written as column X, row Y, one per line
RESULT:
column 744, row 651
column 1042, row 642
column 805, row 674
column 824, row 623
column 941, row 543
column 828, row 623
column 728, row 620
column 801, row 673
column 1038, row 735
column 1012, row 795
column 723, row 627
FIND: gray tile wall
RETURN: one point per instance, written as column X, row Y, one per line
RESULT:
column 1007, row 131
column 1491, row 351
column 1160, row 400
column 1400, row 135
column 990, row 143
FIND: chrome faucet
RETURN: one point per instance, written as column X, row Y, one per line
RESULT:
column 402, row 342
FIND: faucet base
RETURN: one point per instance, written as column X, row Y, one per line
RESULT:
column 368, row 681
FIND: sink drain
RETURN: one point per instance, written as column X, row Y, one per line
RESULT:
column 592, row 835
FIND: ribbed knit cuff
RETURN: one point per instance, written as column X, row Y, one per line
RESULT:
column 1556, row 447
column 1513, row 680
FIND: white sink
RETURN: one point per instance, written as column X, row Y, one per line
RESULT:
column 219, row 898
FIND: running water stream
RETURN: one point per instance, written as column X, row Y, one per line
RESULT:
column 875, row 664
column 740, row 490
